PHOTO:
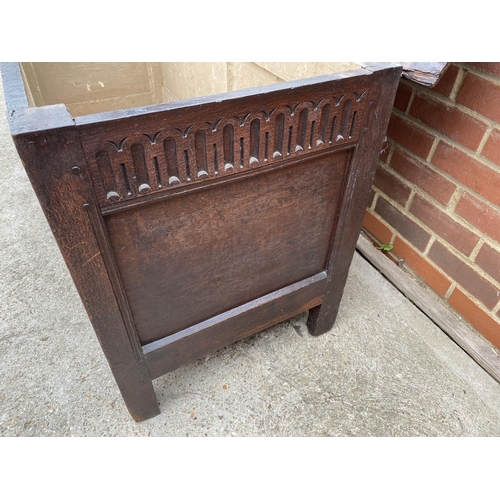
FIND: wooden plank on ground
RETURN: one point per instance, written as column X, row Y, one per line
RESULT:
column 474, row 344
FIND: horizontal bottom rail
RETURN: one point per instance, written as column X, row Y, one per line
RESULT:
column 197, row 341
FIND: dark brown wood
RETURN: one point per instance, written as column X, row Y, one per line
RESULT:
column 195, row 342
column 355, row 198
column 187, row 226
column 188, row 258
column 65, row 197
column 207, row 140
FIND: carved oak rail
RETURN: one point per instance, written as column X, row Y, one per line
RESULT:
column 190, row 225
column 158, row 160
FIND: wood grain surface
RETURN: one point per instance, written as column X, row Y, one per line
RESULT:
column 190, row 225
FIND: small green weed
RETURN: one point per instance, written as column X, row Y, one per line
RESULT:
column 386, row 248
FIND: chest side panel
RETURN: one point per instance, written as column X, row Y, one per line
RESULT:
column 190, row 257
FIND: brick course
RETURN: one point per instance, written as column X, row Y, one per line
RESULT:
column 479, row 214
column 489, row 260
column 422, row 176
column 403, row 96
column 431, row 275
column 445, row 84
column 443, row 225
column 491, row 149
column 475, row 316
column 393, row 187
column 480, row 178
column 448, row 120
column 406, row 227
column 480, row 95
column 489, row 67
column 411, row 137
column 464, row 275
column 377, row 228
column 443, row 155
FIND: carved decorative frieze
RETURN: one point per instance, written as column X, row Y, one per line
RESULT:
column 123, row 168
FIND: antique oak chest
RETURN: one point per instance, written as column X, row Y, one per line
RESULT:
column 192, row 223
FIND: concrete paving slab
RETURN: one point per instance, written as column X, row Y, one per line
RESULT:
column 383, row 370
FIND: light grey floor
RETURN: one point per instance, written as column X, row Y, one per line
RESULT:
column 383, row 370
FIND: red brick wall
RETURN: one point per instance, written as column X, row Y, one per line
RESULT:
column 436, row 195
